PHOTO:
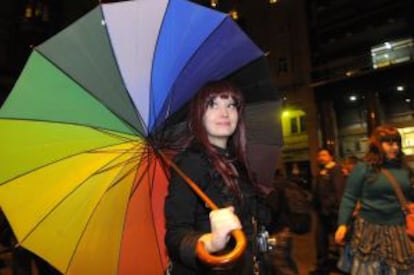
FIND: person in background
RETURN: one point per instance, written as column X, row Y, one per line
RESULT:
column 327, row 193
column 379, row 243
column 215, row 159
column 297, row 177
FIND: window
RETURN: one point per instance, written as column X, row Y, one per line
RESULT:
column 392, row 52
column 302, row 122
column 293, row 125
column 294, row 122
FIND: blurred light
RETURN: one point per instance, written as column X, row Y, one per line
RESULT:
column 285, row 113
column 234, row 14
column 214, row 3
column 388, row 45
column 273, row 1
column 408, row 100
column 38, row 10
column 349, row 73
column 353, row 98
column 400, row 88
column 28, row 11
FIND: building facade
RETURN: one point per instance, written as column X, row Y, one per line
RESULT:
column 362, row 61
column 342, row 66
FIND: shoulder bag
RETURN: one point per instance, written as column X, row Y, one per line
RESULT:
column 407, row 207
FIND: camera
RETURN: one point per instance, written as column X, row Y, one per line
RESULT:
column 265, row 242
column 268, row 242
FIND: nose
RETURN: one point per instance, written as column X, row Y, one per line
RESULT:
column 224, row 111
column 395, row 145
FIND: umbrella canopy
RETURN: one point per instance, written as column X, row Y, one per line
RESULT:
column 81, row 183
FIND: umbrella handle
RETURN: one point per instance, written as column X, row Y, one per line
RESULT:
column 237, row 234
column 231, row 256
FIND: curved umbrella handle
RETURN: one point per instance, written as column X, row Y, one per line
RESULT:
column 233, row 255
column 237, row 234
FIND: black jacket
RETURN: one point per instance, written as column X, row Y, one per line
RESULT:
column 187, row 216
column 328, row 191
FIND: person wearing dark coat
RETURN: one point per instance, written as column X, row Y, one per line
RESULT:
column 327, row 194
column 215, row 159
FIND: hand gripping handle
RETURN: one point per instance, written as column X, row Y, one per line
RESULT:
column 237, row 234
column 233, row 255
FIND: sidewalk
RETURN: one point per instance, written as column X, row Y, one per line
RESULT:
column 304, row 250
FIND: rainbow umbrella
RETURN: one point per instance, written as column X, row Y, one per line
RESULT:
column 82, row 183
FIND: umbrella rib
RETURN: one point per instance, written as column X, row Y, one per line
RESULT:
column 90, row 217
column 130, row 160
column 125, row 122
column 58, row 160
column 103, row 130
column 114, row 134
column 164, row 167
column 151, row 100
column 148, row 157
column 63, row 199
column 167, row 102
column 120, row 74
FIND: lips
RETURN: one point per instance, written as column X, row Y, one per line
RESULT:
column 225, row 123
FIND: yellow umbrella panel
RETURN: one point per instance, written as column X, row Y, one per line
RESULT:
column 78, row 202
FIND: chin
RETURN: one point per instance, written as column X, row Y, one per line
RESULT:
column 224, row 133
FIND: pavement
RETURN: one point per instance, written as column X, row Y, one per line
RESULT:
column 304, row 250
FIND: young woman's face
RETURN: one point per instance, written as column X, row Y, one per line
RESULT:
column 220, row 120
column 391, row 149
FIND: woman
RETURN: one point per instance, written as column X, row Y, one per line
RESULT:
column 215, row 159
column 379, row 244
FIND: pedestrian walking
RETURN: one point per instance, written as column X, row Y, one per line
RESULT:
column 379, row 242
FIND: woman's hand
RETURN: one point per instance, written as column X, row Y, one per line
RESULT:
column 340, row 234
column 222, row 222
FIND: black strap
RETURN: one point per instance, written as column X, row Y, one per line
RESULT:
column 397, row 189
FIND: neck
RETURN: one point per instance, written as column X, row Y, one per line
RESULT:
column 219, row 142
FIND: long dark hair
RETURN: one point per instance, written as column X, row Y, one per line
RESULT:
column 376, row 155
column 236, row 142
